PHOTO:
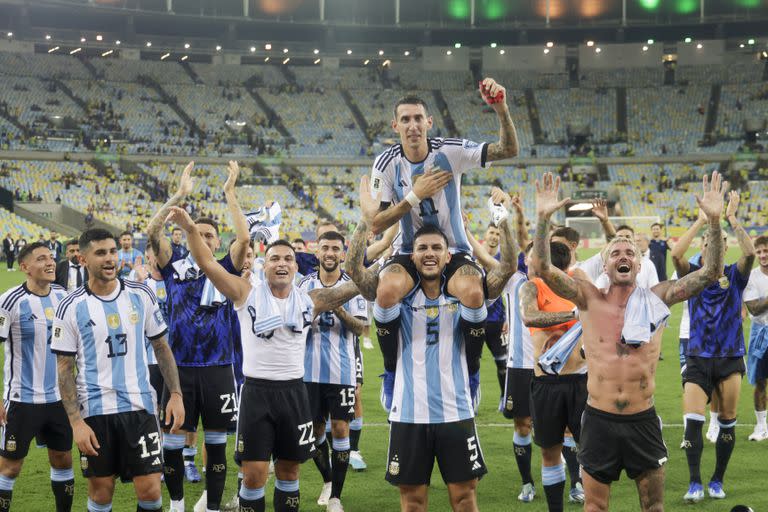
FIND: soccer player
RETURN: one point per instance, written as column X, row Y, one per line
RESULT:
column 70, row 273
column 55, row 245
column 431, row 415
column 202, row 339
column 274, row 419
column 101, row 328
column 31, row 400
column 128, row 256
column 715, row 355
column 177, row 243
column 622, row 329
column 330, row 368
column 756, row 300
column 658, row 248
column 419, row 181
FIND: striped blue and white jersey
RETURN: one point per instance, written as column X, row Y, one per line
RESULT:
column 107, row 336
column 394, row 175
column 330, row 354
column 520, row 346
column 26, row 321
column 158, row 288
column 431, row 380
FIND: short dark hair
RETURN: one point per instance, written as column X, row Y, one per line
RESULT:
column 333, row 235
column 299, row 241
column 175, row 229
column 560, row 255
column 209, row 221
column 491, row 225
column 429, row 229
column 277, row 243
column 93, row 235
column 251, row 243
column 627, row 227
column 125, row 233
column 324, row 222
column 568, row 233
column 658, row 224
column 761, row 240
column 74, row 241
column 409, row 99
column 27, row 249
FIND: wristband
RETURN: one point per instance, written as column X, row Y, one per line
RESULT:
column 412, row 198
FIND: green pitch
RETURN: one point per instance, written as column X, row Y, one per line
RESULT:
column 367, row 491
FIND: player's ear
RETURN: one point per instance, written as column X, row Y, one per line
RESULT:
column 429, row 122
column 394, row 125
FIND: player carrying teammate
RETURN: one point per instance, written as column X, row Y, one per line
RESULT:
column 202, row 339
column 31, row 401
column 100, row 328
column 274, row 419
column 419, row 181
column 622, row 328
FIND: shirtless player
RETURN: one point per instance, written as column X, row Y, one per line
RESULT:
column 620, row 429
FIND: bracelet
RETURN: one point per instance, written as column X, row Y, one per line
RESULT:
column 412, row 198
column 177, row 393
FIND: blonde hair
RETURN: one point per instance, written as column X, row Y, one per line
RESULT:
column 617, row 240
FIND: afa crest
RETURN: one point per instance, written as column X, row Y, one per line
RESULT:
column 113, row 321
column 394, row 466
column 134, row 317
column 10, row 444
column 84, row 463
column 433, row 312
column 49, row 313
column 161, row 293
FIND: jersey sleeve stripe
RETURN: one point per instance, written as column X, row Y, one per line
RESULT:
column 13, row 297
column 383, row 159
column 64, row 304
column 63, row 352
column 143, row 287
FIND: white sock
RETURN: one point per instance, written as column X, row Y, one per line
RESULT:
column 177, row 505
column 713, row 417
column 761, row 419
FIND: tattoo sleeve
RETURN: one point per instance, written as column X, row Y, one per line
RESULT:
column 354, row 324
column 560, row 282
column 328, row 299
column 745, row 244
column 533, row 316
column 507, row 147
column 65, row 366
column 239, row 248
column 366, row 280
column 497, row 277
column 757, row 307
column 522, row 229
column 167, row 364
column 157, row 240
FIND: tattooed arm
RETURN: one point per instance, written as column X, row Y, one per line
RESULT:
column 757, row 307
column 507, row 147
column 379, row 247
column 533, row 316
column 683, row 243
column 167, row 364
column 498, row 276
column 366, row 279
column 83, row 435
column 157, row 240
column 328, row 299
column 357, row 325
column 239, row 248
column 747, row 258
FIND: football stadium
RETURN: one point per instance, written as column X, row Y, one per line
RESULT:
column 383, row 255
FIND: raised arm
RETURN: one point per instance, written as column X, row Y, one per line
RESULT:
column 431, row 182
column 353, row 323
column 600, row 211
column 366, row 279
column 239, row 248
column 560, row 282
column 683, row 243
column 159, row 242
column 711, row 205
column 478, row 251
column 497, row 277
column 328, row 299
column 507, row 146
column 167, row 365
column 533, row 316
column 379, row 247
column 747, row 258
column 520, row 227
column 235, row 288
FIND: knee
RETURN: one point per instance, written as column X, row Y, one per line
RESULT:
column 414, row 503
column 471, row 292
column 390, row 291
column 523, row 426
column 286, row 470
column 592, row 505
column 552, row 456
column 254, row 478
column 149, row 492
column 60, row 460
column 340, row 429
column 10, row 468
column 103, row 493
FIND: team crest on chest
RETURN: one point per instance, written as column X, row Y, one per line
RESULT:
column 133, row 317
column 160, row 292
column 49, row 313
column 113, row 321
column 433, row 312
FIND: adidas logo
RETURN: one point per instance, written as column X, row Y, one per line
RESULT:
column 156, row 462
column 477, row 466
column 32, row 317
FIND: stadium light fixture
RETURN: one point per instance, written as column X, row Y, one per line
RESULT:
column 117, row 42
column 165, row 56
column 76, row 50
column 108, row 52
column 386, row 63
column 366, row 61
column 317, row 61
column 186, row 46
column 645, row 48
column 502, row 52
column 266, row 59
column 185, row 58
column 650, row 41
column 687, row 40
column 285, row 50
column 598, row 50
column 449, row 52
column 406, row 53
column 286, row 60
column 699, row 46
column 349, row 52
column 268, row 46
column 82, row 39
column 457, row 45
column 253, row 49
column 546, row 51
column 53, row 49
column 590, row 43
column 381, row 52
column 316, row 51
column 741, row 45
column 550, row 44
column 149, row 44
column 47, row 37
column 99, row 37
column 493, row 45
column 751, row 41
column 218, row 47
column 9, row 34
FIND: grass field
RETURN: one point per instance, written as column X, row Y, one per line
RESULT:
column 367, row 491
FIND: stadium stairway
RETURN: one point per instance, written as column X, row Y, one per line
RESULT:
column 172, row 102
column 621, row 113
column 91, row 68
column 8, row 116
column 289, row 75
column 533, row 116
column 359, row 117
column 156, row 190
column 445, row 113
column 191, row 72
column 275, row 120
column 710, row 137
column 72, row 221
column 291, row 171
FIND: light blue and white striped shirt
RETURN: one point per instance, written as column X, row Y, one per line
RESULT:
column 431, row 380
column 330, row 354
column 26, row 321
column 107, row 336
column 520, row 346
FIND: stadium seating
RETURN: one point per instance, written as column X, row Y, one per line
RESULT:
column 20, row 227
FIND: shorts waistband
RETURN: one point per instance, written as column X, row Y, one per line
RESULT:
column 571, row 377
column 262, row 383
column 622, row 418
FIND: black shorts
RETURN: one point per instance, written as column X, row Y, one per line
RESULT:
column 413, row 448
column 612, row 442
column 358, row 363
column 157, row 383
column 130, row 445
column 334, row 400
column 497, row 343
column 558, row 402
column 274, row 421
column 707, row 372
column 209, row 393
column 47, row 422
column 517, row 393
column 457, row 261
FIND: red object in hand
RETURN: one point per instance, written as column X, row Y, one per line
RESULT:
column 490, row 100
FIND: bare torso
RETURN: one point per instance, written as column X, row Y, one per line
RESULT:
column 543, row 340
column 621, row 377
